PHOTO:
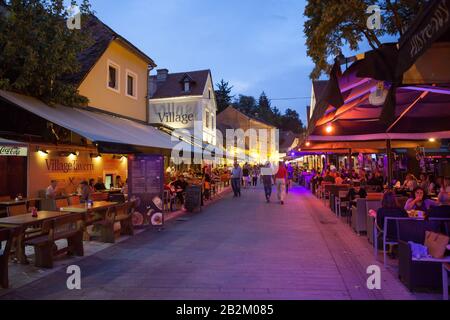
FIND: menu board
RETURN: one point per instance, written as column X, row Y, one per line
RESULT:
column 193, row 200
column 145, row 179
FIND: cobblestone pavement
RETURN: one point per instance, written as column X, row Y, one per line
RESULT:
column 240, row 248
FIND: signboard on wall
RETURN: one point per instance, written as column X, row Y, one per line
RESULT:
column 13, row 151
column 145, row 179
column 177, row 115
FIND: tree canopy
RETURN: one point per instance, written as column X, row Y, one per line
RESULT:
column 332, row 24
column 38, row 49
column 223, row 95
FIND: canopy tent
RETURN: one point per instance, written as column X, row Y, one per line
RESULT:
column 96, row 127
column 416, row 76
column 6, row 141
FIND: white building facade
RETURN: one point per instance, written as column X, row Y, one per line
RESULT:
column 179, row 100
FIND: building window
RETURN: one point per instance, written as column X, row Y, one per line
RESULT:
column 187, row 86
column 113, row 76
column 209, row 94
column 212, row 123
column 207, row 119
column 131, row 84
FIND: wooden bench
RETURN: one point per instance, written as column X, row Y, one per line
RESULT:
column 107, row 226
column 122, row 214
column 69, row 227
column 124, row 217
column 6, row 234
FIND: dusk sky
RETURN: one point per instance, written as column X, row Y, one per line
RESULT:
column 254, row 45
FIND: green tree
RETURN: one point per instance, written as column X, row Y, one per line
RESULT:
column 264, row 108
column 38, row 49
column 246, row 104
column 223, row 95
column 291, row 121
column 331, row 24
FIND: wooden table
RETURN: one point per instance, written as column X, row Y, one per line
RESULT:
column 83, row 207
column 25, row 221
column 93, row 213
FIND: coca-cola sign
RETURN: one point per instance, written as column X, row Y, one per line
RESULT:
column 13, row 151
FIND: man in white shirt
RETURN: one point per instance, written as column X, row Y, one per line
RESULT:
column 51, row 190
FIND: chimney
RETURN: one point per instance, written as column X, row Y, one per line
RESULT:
column 152, row 86
column 161, row 75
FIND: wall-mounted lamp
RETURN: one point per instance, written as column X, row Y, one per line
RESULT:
column 308, row 144
column 329, row 128
column 95, row 155
column 432, row 140
column 42, row 152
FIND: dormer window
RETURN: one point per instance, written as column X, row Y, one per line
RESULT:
column 187, row 85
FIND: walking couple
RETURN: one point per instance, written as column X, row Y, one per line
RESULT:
column 279, row 179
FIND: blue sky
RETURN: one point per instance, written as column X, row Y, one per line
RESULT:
column 255, row 45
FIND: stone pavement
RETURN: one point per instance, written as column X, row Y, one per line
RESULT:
column 234, row 249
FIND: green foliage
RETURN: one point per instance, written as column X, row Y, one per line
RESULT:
column 331, row 24
column 223, row 95
column 38, row 50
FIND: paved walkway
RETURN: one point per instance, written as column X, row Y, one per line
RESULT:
column 234, row 249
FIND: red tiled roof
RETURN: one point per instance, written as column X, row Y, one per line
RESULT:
column 172, row 86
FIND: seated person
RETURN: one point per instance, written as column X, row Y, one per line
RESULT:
column 356, row 190
column 85, row 191
column 91, row 184
column 180, row 186
column 51, row 193
column 338, row 178
column 389, row 208
column 124, row 189
column 419, row 201
column 119, row 182
column 328, row 177
column 442, row 210
column 99, row 186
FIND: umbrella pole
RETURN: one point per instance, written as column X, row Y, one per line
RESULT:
column 389, row 162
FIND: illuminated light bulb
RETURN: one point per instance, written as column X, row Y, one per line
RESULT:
column 308, row 144
column 329, row 128
column 432, row 140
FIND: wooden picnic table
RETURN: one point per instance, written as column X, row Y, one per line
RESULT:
column 25, row 221
column 84, row 208
column 94, row 213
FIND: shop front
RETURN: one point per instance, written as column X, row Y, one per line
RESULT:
column 69, row 166
column 13, row 168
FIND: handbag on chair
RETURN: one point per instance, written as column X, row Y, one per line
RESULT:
column 436, row 244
